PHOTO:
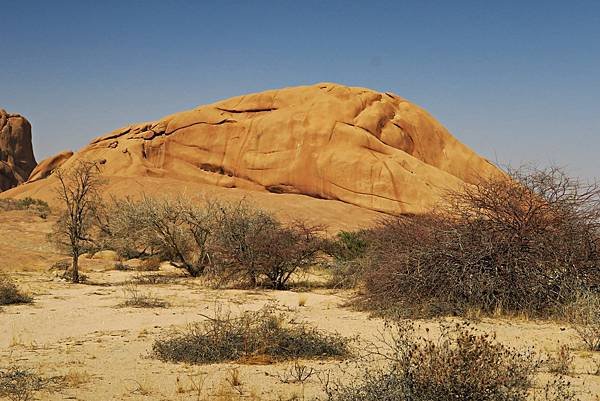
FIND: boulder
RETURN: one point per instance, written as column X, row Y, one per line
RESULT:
column 373, row 150
column 16, row 151
column 106, row 255
column 47, row 166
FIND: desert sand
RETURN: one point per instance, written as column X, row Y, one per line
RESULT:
column 78, row 331
column 341, row 157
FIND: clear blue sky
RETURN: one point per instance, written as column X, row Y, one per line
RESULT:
column 518, row 81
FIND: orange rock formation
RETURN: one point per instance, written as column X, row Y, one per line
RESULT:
column 374, row 150
column 16, row 151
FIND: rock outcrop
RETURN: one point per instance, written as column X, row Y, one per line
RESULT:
column 47, row 166
column 16, row 151
column 374, row 150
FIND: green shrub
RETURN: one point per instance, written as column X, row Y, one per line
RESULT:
column 347, row 266
column 37, row 205
column 347, row 245
column 261, row 334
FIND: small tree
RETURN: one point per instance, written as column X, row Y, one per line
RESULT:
column 172, row 229
column 252, row 244
column 239, row 240
column 78, row 191
column 288, row 249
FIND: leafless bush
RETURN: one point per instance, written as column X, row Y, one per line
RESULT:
column 120, row 266
column 18, row 384
column 234, row 241
column 558, row 389
column 297, row 373
column 461, row 364
column 167, row 229
column 252, row 336
column 562, row 362
column 60, row 265
column 525, row 244
column 10, row 293
column 134, row 298
column 347, row 274
column 584, row 315
column 596, row 369
column 150, row 264
column 251, row 244
column 154, row 279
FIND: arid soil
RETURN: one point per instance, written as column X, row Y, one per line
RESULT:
column 104, row 350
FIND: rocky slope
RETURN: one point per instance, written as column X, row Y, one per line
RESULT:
column 373, row 150
column 16, row 151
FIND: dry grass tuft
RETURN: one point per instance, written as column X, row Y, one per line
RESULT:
column 134, row 298
column 562, row 362
column 253, row 335
column 36, row 205
column 461, row 364
column 18, row 384
column 10, row 293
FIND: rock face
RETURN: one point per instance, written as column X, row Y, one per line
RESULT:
column 47, row 166
column 374, row 150
column 16, row 151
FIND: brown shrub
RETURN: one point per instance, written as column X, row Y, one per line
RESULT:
column 460, row 365
column 165, row 229
column 523, row 245
column 251, row 244
column 265, row 333
column 584, row 315
column 10, row 293
column 17, row 384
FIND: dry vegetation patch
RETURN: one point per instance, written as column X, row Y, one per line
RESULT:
column 461, row 364
column 18, row 384
column 11, row 294
column 135, row 298
column 584, row 315
column 263, row 335
column 36, row 205
column 524, row 245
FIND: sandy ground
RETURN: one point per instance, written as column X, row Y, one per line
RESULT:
column 79, row 331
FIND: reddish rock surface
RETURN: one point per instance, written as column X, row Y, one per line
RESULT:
column 373, row 150
column 16, row 151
